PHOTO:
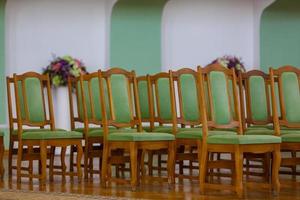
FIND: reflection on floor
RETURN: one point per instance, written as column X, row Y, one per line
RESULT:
column 184, row 189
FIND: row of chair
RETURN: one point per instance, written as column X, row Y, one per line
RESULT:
column 219, row 112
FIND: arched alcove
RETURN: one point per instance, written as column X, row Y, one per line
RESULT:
column 135, row 37
column 280, row 34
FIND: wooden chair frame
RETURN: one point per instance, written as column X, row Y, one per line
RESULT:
column 281, row 121
column 193, row 144
column 247, row 119
column 13, row 138
column 1, row 158
column 135, row 149
column 49, row 121
column 90, row 152
column 154, row 111
column 236, row 149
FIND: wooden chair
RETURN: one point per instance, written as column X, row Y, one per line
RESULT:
column 162, row 111
column 222, row 118
column 122, row 90
column 1, row 155
column 288, row 122
column 189, row 136
column 87, row 91
column 254, row 89
column 13, row 131
column 32, row 97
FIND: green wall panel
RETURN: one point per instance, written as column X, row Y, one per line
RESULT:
column 135, row 38
column 280, row 34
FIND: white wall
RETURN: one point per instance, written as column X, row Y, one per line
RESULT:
column 197, row 31
column 38, row 28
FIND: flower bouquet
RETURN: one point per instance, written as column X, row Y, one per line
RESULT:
column 231, row 62
column 63, row 67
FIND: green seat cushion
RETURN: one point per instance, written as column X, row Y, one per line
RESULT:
column 99, row 132
column 289, row 131
column 147, row 128
column 263, row 131
column 49, row 135
column 15, row 132
column 243, row 139
column 291, row 137
column 163, row 129
column 169, row 129
column 255, row 127
column 1, row 133
column 198, row 134
column 143, row 136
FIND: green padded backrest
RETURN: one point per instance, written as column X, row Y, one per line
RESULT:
column 220, row 98
column 291, row 96
column 121, row 100
column 164, row 99
column 144, row 99
column 189, row 97
column 92, row 98
column 33, row 94
column 258, row 98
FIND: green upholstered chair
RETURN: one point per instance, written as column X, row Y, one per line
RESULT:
column 13, row 131
column 254, row 88
column 161, row 109
column 218, row 78
column 88, row 119
column 123, row 96
column 188, row 137
column 288, row 123
column 33, row 101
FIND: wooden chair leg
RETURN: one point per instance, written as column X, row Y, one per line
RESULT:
column 139, row 166
column 30, row 151
column 72, row 158
column 86, row 158
column 294, row 168
column 150, row 163
column 238, row 171
column 63, row 162
column 10, row 157
column 202, row 169
column 19, row 161
column 51, row 165
column 1, row 158
column 104, row 165
column 159, row 163
column 275, row 170
column 266, row 165
column 78, row 161
column 133, row 165
column 171, row 163
column 43, row 154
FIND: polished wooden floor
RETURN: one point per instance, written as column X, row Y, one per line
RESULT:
column 184, row 189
